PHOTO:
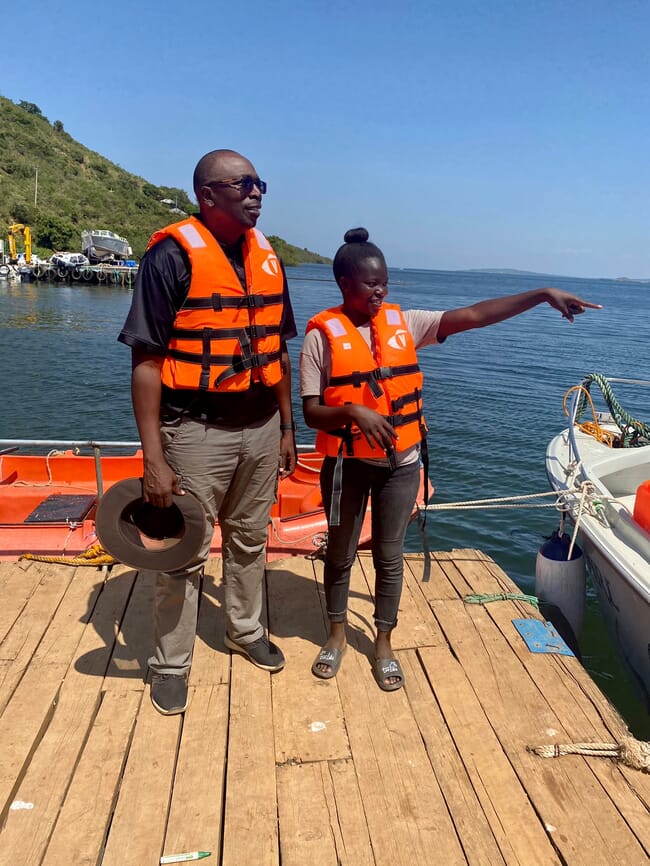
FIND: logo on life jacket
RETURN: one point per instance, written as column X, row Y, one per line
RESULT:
column 398, row 340
column 271, row 265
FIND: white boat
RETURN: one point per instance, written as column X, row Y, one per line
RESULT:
column 601, row 469
column 67, row 261
column 101, row 245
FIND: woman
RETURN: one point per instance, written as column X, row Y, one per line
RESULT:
column 361, row 388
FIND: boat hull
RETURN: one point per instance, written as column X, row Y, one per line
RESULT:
column 617, row 549
column 48, row 504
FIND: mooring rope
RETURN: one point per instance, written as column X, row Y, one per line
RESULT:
column 497, row 502
column 631, row 752
column 487, row 598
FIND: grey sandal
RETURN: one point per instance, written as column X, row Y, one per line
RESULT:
column 328, row 656
column 385, row 668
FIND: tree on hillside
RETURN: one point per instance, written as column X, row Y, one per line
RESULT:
column 54, row 232
column 30, row 107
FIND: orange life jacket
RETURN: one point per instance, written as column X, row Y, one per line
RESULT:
column 224, row 337
column 390, row 381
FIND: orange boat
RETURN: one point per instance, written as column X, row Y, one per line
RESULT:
column 48, row 500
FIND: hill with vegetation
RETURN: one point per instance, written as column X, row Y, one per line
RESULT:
column 58, row 187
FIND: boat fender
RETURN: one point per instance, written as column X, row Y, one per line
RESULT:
column 641, row 512
column 312, row 501
column 560, row 581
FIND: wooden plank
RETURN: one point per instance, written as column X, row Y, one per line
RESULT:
column 134, row 644
column 504, row 801
column 27, row 831
column 470, row 821
column 85, row 815
column 195, row 816
column 405, row 811
column 22, row 726
column 557, row 677
column 307, row 714
column 99, row 639
column 598, row 707
column 211, row 660
column 347, row 814
column 138, row 826
column 307, row 835
column 485, row 577
column 251, row 829
column 31, row 629
column 571, row 802
column 18, row 580
column 438, row 586
column 321, row 815
column 416, row 627
column 61, row 639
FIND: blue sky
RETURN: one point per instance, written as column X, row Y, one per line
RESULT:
column 461, row 134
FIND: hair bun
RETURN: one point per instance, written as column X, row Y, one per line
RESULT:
column 356, row 236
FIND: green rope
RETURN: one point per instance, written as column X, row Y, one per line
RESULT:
column 631, row 429
column 502, row 596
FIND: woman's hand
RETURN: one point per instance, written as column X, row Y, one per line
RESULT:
column 374, row 427
column 569, row 305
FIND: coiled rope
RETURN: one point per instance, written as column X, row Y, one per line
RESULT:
column 632, row 430
column 631, row 752
column 94, row 555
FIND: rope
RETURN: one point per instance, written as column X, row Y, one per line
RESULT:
column 95, row 555
column 501, row 596
column 592, row 428
column 631, row 752
column 50, row 481
column 495, row 502
column 632, row 431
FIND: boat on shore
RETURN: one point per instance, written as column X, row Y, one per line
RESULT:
column 101, row 245
column 601, row 470
column 67, row 262
column 49, row 492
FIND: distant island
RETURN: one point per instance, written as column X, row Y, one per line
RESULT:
column 59, row 188
column 515, row 272
column 512, row 271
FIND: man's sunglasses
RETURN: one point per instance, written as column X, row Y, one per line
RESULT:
column 245, row 183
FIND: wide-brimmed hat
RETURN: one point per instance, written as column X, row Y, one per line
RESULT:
column 143, row 536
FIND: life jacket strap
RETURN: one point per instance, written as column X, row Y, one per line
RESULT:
column 357, row 378
column 405, row 399
column 220, row 302
column 255, row 332
column 249, row 362
column 337, row 490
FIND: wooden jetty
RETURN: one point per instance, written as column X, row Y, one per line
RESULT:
column 264, row 770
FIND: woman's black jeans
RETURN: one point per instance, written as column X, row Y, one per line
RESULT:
column 393, row 495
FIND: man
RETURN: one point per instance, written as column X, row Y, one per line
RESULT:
column 211, row 391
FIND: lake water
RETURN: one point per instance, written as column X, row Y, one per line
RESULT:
column 493, row 399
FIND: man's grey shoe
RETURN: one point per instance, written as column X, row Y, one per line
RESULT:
column 261, row 652
column 169, row 693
